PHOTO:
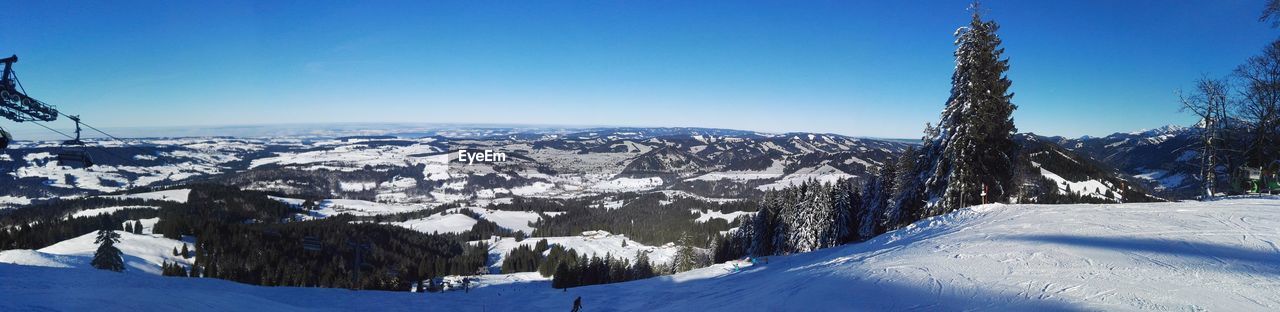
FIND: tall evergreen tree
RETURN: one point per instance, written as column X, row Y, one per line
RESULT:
column 844, row 203
column 875, row 202
column 762, row 226
column 562, row 278
column 687, row 257
column 107, row 257
column 972, row 147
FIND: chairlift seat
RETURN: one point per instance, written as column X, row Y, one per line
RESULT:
column 75, row 159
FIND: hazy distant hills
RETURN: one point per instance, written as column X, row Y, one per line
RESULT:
column 416, row 164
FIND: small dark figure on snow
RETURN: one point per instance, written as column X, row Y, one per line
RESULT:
column 577, row 304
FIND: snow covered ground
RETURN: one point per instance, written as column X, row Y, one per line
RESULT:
column 439, row 223
column 107, row 210
column 1163, row 256
column 332, row 207
column 716, row 214
column 1093, row 188
column 598, row 243
column 512, row 220
column 142, row 253
column 176, row 195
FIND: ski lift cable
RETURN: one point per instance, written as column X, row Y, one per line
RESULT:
column 122, row 141
column 52, row 129
column 93, row 128
column 104, row 150
column 18, row 81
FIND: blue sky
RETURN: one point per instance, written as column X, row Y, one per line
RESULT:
column 858, row 68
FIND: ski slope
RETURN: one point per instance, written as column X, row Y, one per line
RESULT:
column 1219, row 256
column 143, row 253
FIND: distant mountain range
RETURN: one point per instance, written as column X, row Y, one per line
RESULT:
column 1163, row 158
column 413, row 165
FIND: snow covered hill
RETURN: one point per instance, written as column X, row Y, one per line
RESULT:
column 594, row 243
column 1164, row 157
column 143, row 253
column 1157, row 256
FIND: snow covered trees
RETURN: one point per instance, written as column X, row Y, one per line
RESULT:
column 572, row 271
column 524, row 258
column 107, row 257
column 173, row 269
column 968, row 158
column 972, row 147
column 844, row 221
column 802, row 218
column 689, row 257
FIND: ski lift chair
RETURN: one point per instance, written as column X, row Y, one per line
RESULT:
column 74, row 155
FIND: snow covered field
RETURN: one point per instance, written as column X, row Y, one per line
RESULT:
column 1189, row 256
column 439, row 223
column 512, row 220
column 596, row 243
column 177, row 195
column 143, row 253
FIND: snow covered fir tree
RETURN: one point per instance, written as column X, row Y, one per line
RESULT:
column 968, row 158
column 108, row 257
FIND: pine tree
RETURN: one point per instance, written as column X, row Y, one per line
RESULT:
column 875, row 200
column 128, row 227
column 562, row 278
column 972, row 146
column 905, row 203
column 784, row 219
column 107, row 257
column 687, row 257
column 762, row 227
column 643, row 268
column 186, row 254
column 844, row 221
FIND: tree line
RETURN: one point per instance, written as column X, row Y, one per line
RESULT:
column 1239, row 118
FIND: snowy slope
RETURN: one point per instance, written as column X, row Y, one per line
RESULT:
column 1168, row 256
column 142, row 253
column 597, row 243
column 439, row 223
column 512, row 220
column 332, row 207
column 715, row 214
column 178, row 195
column 107, row 210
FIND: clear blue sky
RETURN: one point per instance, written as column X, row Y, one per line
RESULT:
column 850, row 67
